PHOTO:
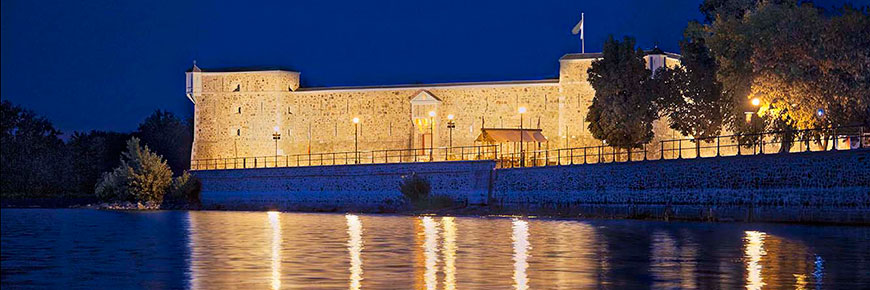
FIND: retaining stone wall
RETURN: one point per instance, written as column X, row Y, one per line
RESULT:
column 369, row 187
column 833, row 179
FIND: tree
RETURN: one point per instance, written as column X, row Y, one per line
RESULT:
column 169, row 136
column 92, row 154
column 622, row 110
column 143, row 176
column 32, row 155
column 798, row 61
column 689, row 95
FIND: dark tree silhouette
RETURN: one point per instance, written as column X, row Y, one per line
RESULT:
column 623, row 110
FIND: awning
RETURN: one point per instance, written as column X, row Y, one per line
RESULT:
column 502, row 135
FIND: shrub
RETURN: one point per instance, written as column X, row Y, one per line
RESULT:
column 143, row 176
column 417, row 190
column 184, row 189
column 414, row 187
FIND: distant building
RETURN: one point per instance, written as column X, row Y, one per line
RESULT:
column 238, row 110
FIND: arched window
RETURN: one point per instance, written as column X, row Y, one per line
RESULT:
column 238, row 132
column 240, row 110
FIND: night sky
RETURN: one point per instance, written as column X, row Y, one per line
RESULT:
column 107, row 64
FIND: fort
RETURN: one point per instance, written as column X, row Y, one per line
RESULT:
column 238, row 111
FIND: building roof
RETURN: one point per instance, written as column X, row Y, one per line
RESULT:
column 504, row 135
column 435, row 85
column 594, row 55
column 240, row 69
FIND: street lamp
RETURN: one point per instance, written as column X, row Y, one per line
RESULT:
column 356, row 139
column 522, row 110
column 276, row 136
column 450, row 126
column 431, row 133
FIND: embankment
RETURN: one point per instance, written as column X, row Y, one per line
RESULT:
column 829, row 186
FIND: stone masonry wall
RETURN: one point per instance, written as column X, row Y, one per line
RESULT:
column 818, row 179
column 372, row 187
column 236, row 113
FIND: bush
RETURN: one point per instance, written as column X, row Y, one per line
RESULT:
column 414, row 187
column 143, row 176
column 417, row 190
column 184, row 189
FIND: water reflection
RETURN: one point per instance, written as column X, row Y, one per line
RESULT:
column 284, row 250
column 449, row 252
column 673, row 262
column 430, row 252
column 275, row 223
column 754, row 251
column 521, row 245
column 354, row 247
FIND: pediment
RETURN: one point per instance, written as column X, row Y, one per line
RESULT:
column 424, row 97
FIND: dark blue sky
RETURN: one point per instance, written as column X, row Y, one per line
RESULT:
column 107, row 64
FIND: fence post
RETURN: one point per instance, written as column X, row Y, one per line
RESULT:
column 761, row 146
column 718, row 141
column 834, row 148
column 599, row 154
column 680, row 150
column 662, row 148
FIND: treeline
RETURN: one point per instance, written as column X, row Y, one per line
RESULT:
column 751, row 66
column 35, row 162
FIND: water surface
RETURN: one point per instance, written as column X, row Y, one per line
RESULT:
column 268, row 250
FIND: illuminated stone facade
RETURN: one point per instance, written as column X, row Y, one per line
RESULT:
column 237, row 111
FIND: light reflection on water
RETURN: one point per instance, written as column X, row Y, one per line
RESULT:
column 257, row 250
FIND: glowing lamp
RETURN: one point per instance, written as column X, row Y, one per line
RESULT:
column 356, row 120
column 756, row 102
column 522, row 110
column 450, row 117
column 431, row 113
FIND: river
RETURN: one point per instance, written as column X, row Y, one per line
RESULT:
column 82, row 248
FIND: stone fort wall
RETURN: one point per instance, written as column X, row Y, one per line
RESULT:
column 237, row 112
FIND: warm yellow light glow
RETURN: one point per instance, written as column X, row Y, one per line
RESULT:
column 355, row 247
column 754, row 251
column 449, row 250
column 431, row 113
column 356, row 120
column 430, row 248
column 520, row 237
column 450, row 117
column 756, row 102
column 275, row 223
column 522, row 110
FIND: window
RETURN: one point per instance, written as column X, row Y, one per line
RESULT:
column 238, row 88
column 240, row 110
column 238, row 132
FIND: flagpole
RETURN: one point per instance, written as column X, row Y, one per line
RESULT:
column 582, row 32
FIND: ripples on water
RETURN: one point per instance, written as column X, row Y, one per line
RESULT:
column 270, row 250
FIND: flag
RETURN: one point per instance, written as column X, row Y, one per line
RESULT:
column 579, row 27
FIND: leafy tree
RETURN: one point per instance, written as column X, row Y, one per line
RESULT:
column 169, row 136
column 797, row 60
column 689, row 95
column 92, row 154
column 143, row 176
column 623, row 109
column 32, row 155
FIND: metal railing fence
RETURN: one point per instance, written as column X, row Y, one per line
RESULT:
column 774, row 142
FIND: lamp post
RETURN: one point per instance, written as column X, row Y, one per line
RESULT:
column 522, row 110
column 431, row 134
column 450, row 126
column 276, row 136
column 356, row 140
